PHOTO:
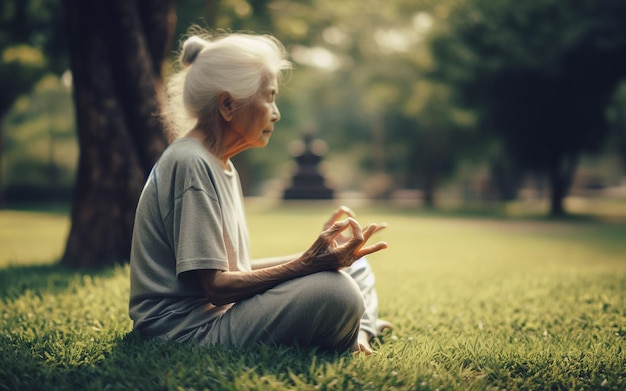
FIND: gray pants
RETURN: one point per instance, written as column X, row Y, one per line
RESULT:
column 362, row 274
column 324, row 309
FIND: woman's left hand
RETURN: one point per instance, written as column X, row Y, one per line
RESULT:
column 338, row 215
column 327, row 254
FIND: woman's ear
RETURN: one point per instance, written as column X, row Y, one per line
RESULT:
column 226, row 106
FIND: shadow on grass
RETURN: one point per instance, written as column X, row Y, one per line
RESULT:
column 170, row 365
column 130, row 362
column 66, row 358
column 40, row 279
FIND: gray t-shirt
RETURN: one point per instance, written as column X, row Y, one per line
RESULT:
column 190, row 217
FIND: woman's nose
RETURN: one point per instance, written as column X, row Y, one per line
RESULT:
column 275, row 114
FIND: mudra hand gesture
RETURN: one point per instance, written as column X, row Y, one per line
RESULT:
column 333, row 250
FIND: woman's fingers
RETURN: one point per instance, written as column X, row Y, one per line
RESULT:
column 347, row 251
column 359, row 236
column 354, row 246
column 357, row 232
column 380, row 227
column 370, row 249
column 342, row 210
column 336, row 228
column 370, row 230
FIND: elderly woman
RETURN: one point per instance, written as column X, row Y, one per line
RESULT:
column 192, row 278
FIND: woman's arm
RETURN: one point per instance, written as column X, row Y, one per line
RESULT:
column 263, row 263
column 223, row 287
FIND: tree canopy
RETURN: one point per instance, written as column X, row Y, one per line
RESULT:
column 31, row 44
column 540, row 74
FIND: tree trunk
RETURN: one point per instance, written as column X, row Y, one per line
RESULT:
column 429, row 198
column 117, row 48
column 560, row 176
column 429, row 189
column 504, row 180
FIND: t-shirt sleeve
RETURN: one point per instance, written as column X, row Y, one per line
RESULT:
column 198, row 232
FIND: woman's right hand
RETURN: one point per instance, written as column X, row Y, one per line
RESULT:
column 327, row 254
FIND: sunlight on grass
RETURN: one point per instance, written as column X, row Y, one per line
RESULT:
column 477, row 303
column 31, row 238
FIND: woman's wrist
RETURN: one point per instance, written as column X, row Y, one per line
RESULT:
column 302, row 266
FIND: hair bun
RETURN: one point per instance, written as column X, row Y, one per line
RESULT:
column 191, row 48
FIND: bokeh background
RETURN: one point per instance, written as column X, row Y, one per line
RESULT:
column 515, row 106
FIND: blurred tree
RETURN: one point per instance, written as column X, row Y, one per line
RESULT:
column 371, row 59
column 440, row 136
column 617, row 119
column 20, row 69
column 190, row 12
column 40, row 144
column 541, row 74
column 30, row 45
column 117, row 53
column 357, row 62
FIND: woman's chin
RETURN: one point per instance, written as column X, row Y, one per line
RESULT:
column 265, row 139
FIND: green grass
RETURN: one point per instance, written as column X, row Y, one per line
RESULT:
column 477, row 303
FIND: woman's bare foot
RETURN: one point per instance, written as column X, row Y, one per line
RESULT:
column 362, row 344
column 382, row 325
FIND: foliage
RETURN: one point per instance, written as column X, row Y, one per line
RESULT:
column 40, row 151
column 378, row 80
column 20, row 68
column 617, row 119
column 30, row 43
column 37, row 24
column 359, row 73
column 521, row 304
column 370, row 97
column 440, row 136
column 540, row 74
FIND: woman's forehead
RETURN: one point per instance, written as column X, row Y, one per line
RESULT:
column 270, row 82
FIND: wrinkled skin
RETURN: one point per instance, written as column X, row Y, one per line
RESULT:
column 333, row 251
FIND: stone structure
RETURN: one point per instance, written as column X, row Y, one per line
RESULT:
column 307, row 182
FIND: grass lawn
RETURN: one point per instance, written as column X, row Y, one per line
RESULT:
column 477, row 303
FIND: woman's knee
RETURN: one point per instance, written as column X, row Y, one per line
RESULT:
column 322, row 309
column 335, row 292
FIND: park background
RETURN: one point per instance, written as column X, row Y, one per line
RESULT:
column 491, row 135
column 417, row 100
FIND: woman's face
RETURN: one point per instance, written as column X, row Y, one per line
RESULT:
column 254, row 124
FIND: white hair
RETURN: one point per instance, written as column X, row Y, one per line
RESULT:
column 234, row 63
